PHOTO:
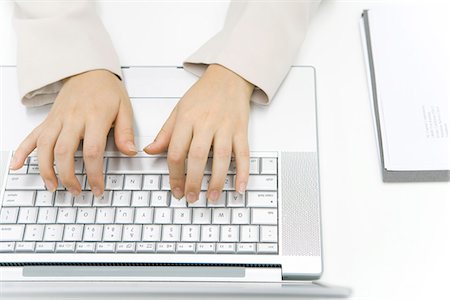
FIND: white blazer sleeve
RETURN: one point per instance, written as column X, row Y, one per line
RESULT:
column 56, row 40
column 259, row 41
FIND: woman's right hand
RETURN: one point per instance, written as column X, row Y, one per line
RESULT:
column 85, row 109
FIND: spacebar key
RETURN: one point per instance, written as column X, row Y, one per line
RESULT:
column 262, row 183
column 146, row 165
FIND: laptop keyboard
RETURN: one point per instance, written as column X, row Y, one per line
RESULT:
column 138, row 214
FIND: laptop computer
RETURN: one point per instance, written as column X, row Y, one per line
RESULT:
column 266, row 243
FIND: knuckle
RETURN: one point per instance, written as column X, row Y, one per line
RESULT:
column 92, row 151
column 44, row 141
column 61, row 150
column 198, row 152
column 175, row 157
column 242, row 154
column 222, row 152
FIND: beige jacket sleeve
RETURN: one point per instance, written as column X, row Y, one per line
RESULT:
column 58, row 39
column 259, row 41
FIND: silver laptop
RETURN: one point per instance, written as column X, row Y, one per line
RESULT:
column 137, row 239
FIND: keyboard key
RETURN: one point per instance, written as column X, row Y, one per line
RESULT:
column 174, row 202
column 240, row 216
column 220, row 202
column 33, row 169
column 254, row 165
column 25, row 246
column 133, row 182
column 235, row 199
column 264, row 216
column 151, row 183
column 121, row 198
column 144, row 215
column 210, row 233
column 201, row 216
column 53, row 233
column 73, row 232
column 185, row 247
column 22, row 170
column 105, row 215
column 165, row 184
column 112, row 233
column 103, row 200
column 249, row 233
column 66, row 215
column 47, row 215
column 171, row 233
column 139, row 165
column 225, row 248
column 151, row 233
column 18, row 198
column 125, row 247
column 165, row 247
column 268, row 165
column 190, row 233
column 132, row 233
column 11, row 233
column 106, row 247
column 9, row 214
column 262, row 183
column 6, row 247
column 261, row 199
column 206, row 247
column 85, row 247
column 124, row 215
column 44, row 198
column 27, row 215
column 221, row 216
column 267, row 248
column 201, row 202
column 145, row 247
column 65, row 247
column 78, row 165
column 46, row 247
column 93, row 233
column 268, row 234
column 160, row 199
column 33, row 160
column 163, row 215
column 140, row 198
column 83, row 199
column 24, row 182
column 63, row 198
column 114, row 182
column 229, row 233
column 182, row 215
column 86, row 215
column 34, row 232
column 245, row 248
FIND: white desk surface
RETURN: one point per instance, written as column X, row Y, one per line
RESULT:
column 386, row 241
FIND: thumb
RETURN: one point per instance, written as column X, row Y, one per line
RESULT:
column 162, row 140
column 123, row 129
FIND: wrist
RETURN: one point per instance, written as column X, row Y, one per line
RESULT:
column 223, row 76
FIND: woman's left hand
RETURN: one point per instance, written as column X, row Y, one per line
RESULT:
column 213, row 112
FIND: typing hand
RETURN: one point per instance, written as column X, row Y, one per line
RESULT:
column 213, row 112
column 85, row 108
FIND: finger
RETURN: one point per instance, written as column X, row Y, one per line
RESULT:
column 176, row 156
column 94, row 144
column 65, row 149
column 25, row 148
column 45, row 147
column 162, row 140
column 197, row 157
column 123, row 129
column 221, row 163
column 242, row 157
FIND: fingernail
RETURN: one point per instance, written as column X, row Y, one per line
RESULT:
column 74, row 192
column 242, row 188
column 214, row 195
column 191, row 197
column 177, row 193
column 96, row 191
column 50, row 186
column 131, row 147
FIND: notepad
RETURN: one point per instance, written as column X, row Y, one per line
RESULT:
column 408, row 58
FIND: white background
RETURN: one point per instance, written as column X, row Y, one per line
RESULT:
column 386, row 241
